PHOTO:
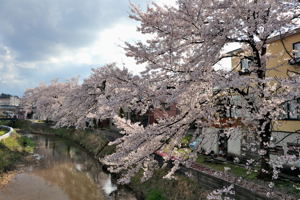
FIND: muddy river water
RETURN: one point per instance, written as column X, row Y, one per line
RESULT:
column 62, row 171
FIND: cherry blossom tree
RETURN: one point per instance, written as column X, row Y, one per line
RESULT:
column 45, row 101
column 187, row 42
column 99, row 98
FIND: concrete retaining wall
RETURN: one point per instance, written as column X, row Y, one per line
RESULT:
column 6, row 135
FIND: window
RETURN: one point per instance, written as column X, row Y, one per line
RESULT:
column 293, row 148
column 166, row 106
column 277, row 150
column 296, row 54
column 245, row 65
column 236, row 108
column 296, row 49
column 292, row 109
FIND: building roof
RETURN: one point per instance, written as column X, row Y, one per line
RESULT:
column 284, row 35
column 6, row 96
column 272, row 39
column 235, row 51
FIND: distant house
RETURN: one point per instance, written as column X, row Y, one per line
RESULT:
column 152, row 115
column 9, row 106
column 157, row 113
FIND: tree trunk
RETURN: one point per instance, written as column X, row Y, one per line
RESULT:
column 265, row 172
column 264, row 123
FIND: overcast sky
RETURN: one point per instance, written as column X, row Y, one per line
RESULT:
column 41, row 40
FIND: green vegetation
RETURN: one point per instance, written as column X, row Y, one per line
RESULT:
column 93, row 141
column 13, row 149
column 219, row 166
column 2, row 131
column 5, row 122
column 186, row 140
column 288, row 186
column 157, row 188
column 155, row 194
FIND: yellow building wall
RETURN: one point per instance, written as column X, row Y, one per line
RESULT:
column 286, row 126
column 277, row 62
column 235, row 63
column 277, row 66
column 277, row 59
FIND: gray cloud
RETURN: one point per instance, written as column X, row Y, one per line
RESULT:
column 35, row 29
column 32, row 31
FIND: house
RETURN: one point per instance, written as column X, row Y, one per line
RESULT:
column 157, row 113
column 283, row 58
column 152, row 115
column 9, row 106
column 287, row 50
column 6, row 99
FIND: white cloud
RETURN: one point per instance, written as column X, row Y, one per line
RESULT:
column 165, row 2
column 111, row 40
column 105, row 49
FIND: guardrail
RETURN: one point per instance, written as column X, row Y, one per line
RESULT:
column 6, row 135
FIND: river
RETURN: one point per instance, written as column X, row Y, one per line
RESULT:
column 62, row 171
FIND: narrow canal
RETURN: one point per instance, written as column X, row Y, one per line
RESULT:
column 62, row 171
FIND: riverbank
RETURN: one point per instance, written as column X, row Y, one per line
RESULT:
column 95, row 142
column 13, row 152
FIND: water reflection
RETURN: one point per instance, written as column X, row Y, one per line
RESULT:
column 62, row 172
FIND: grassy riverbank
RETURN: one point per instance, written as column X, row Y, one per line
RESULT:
column 95, row 141
column 13, row 151
column 2, row 131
